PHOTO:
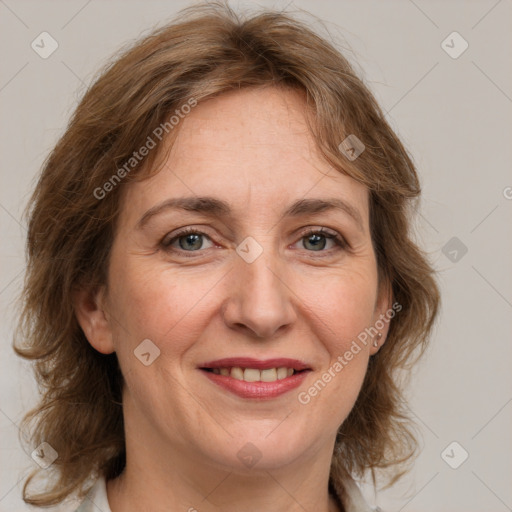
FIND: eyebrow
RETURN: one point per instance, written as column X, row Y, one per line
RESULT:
column 219, row 208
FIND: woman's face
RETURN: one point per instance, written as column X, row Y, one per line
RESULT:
column 249, row 281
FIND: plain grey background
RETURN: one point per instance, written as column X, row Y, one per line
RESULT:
column 452, row 110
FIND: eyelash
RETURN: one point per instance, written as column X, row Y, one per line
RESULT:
column 336, row 238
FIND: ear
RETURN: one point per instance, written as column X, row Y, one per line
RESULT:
column 90, row 312
column 384, row 311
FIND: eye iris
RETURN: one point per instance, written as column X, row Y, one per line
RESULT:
column 194, row 239
column 314, row 239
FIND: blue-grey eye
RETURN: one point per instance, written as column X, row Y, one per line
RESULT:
column 315, row 241
column 191, row 241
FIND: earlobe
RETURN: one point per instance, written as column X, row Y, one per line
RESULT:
column 90, row 312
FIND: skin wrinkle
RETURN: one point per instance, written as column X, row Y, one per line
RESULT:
column 189, row 431
column 220, row 209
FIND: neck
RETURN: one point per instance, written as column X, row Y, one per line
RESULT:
column 229, row 492
column 163, row 477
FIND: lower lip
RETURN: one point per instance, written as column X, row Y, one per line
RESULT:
column 257, row 390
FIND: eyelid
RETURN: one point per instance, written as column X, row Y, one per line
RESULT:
column 318, row 229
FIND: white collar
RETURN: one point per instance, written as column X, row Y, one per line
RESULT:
column 96, row 499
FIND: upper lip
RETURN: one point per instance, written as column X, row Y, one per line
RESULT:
column 259, row 364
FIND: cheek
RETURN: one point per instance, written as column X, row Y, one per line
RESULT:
column 343, row 304
column 150, row 301
column 343, row 311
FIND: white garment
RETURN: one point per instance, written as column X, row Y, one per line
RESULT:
column 96, row 500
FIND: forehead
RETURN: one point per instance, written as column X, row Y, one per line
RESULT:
column 251, row 148
column 265, row 122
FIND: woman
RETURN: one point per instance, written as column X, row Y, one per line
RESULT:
column 221, row 285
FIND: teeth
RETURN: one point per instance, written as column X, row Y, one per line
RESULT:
column 269, row 375
column 251, row 375
column 237, row 373
column 282, row 373
column 255, row 375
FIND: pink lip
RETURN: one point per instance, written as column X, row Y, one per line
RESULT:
column 258, row 364
column 257, row 390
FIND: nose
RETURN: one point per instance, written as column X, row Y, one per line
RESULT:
column 260, row 299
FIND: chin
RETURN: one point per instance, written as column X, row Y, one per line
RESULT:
column 260, row 449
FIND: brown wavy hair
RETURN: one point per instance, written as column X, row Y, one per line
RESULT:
column 206, row 51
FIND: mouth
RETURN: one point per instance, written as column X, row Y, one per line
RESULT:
column 253, row 378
